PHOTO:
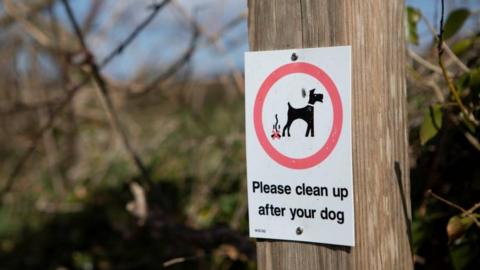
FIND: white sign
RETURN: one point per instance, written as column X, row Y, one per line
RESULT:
column 299, row 148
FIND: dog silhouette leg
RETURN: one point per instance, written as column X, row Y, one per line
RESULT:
column 284, row 128
column 310, row 127
column 308, row 131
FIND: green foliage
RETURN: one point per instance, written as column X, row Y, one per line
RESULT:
column 83, row 261
column 455, row 21
column 458, row 225
column 462, row 252
column 470, row 81
column 197, row 158
column 459, row 256
column 432, row 123
column 462, row 46
column 413, row 17
column 446, row 149
column 474, row 79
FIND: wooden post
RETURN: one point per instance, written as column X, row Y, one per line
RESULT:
column 375, row 30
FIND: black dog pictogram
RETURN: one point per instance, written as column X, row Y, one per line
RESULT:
column 305, row 113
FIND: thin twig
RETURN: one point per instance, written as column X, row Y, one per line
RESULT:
column 473, row 208
column 179, row 260
column 469, row 137
column 213, row 40
column 437, row 90
column 175, row 66
column 451, row 86
column 89, row 20
column 454, row 91
column 440, row 34
column 155, row 9
column 454, row 205
column 229, row 25
column 35, row 7
column 447, row 49
column 102, row 90
column 31, row 28
column 465, row 213
column 455, row 59
column 424, row 62
column 33, row 146
column 428, row 82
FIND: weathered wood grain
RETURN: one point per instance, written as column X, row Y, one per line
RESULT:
column 375, row 30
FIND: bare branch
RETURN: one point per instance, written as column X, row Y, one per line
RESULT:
column 95, row 8
column 465, row 213
column 35, row 7
column 213, row 39
column 424, row 62
column 33, row 146
column 175, row 66
column 102, row 90
column 444, row 45
column 14, row 11
column 469, row 118
column 57, row 109
column 156, row 8
column 447, row 202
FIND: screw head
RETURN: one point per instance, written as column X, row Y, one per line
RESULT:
column 294, row 57
column 299, row 230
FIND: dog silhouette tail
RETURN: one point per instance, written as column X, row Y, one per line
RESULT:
column 289, row 106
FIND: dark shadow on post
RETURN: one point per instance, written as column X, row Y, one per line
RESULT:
column 346, row 249
column 408, row 221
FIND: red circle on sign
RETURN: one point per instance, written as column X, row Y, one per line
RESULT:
column 326, row 150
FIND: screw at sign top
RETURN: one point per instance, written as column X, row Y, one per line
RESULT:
column 294, row 57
